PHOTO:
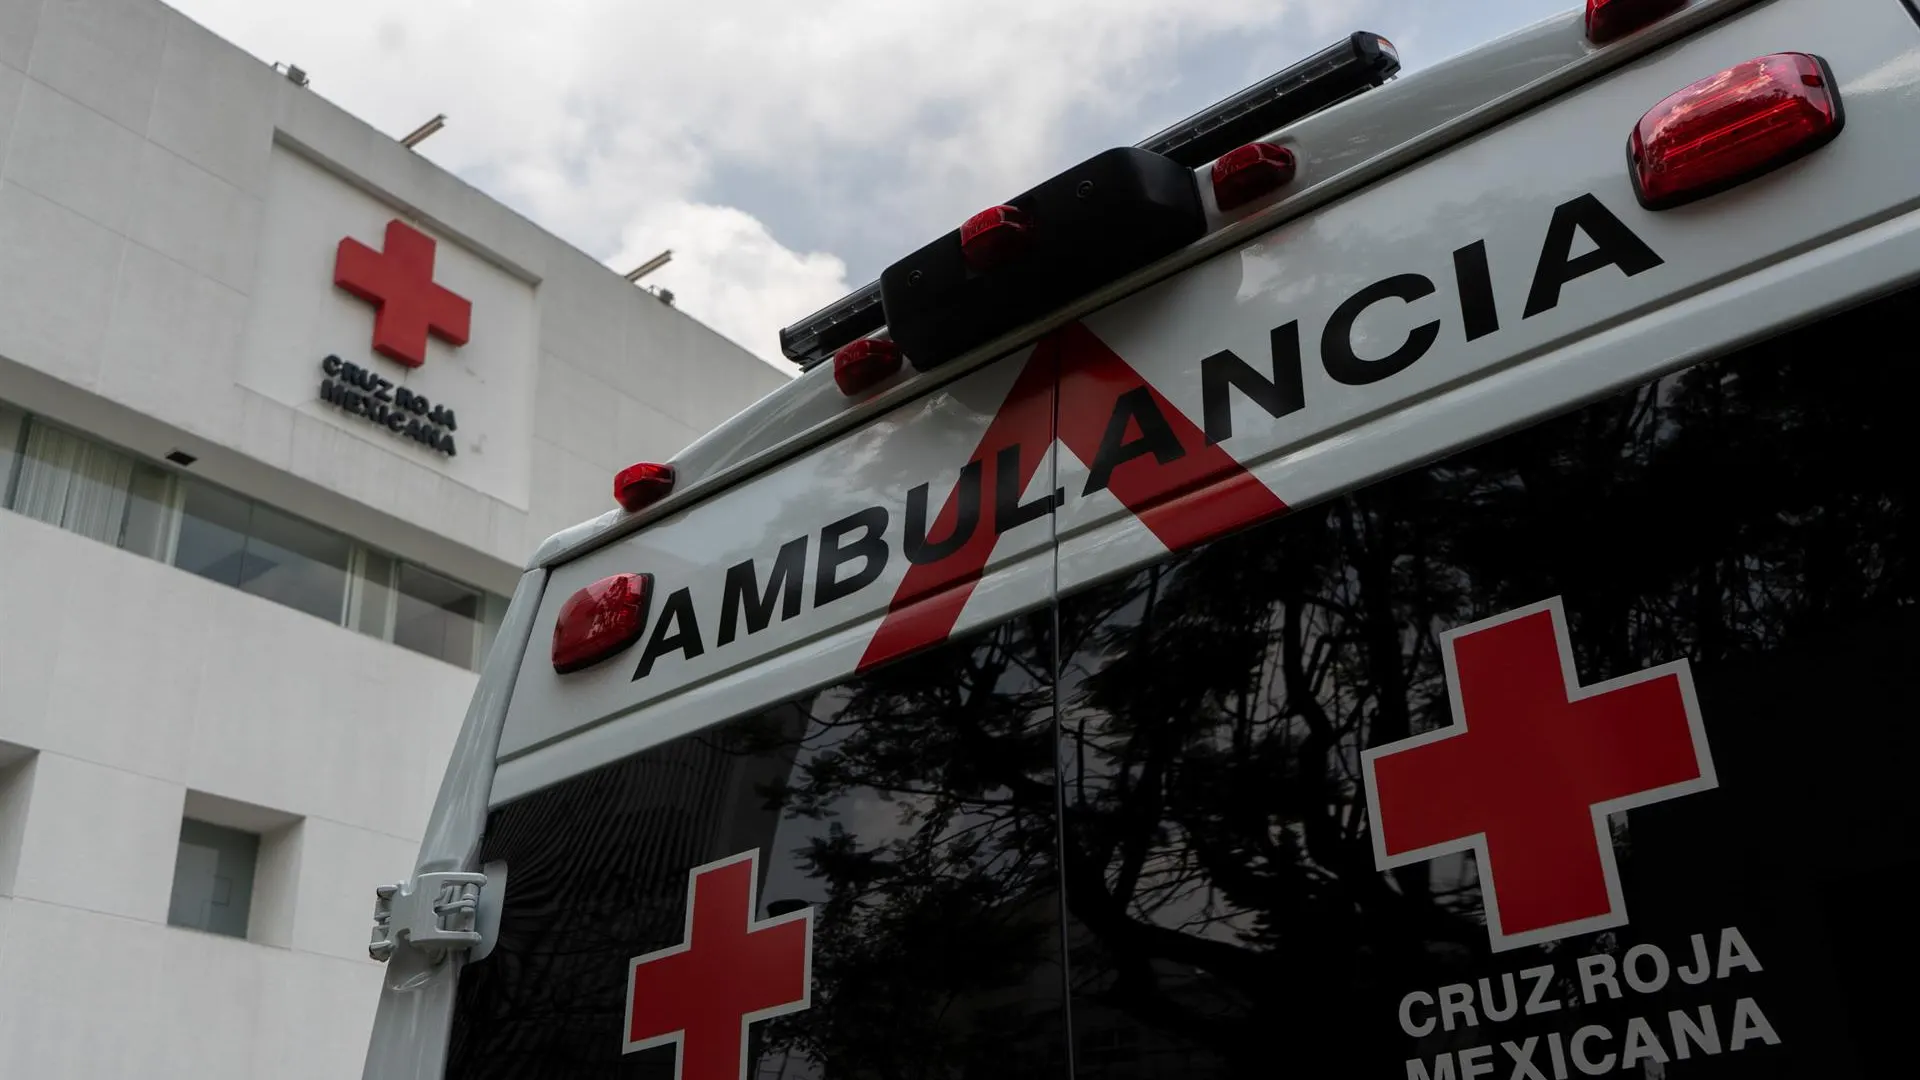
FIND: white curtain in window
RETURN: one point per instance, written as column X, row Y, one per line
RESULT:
column 73, row 482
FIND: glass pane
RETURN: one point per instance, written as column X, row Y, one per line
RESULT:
column 12, row 422
column 213, row 878
column 911, row 810
column 213, row 533
column 1567, row 888
column 376, row 594
column 148, row 529
column 436, row 616
column 194, row 868
column 73, row 482
column 300, row 565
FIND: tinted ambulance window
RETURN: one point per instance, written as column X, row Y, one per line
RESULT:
column 1755, row 517
column 912, row 811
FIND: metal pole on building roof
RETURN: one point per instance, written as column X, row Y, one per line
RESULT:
column 650, row 265
column 420, row 133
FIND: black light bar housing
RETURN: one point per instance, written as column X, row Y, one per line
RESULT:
column 1108, row 215
column 1358, row 63
column 1325, row 79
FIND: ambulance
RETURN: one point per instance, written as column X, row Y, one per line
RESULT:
column 1403, row 578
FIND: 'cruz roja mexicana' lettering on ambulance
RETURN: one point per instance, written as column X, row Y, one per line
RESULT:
column 1593, row 1049
column 850, row 554
column 362, row 392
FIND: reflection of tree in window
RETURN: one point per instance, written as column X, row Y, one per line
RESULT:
column 936, row 942
column 919, row 819
column 1755, row 515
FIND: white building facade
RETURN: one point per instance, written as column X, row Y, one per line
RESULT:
column 283, row 408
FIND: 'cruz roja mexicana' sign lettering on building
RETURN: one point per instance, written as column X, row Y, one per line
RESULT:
column 362, row 392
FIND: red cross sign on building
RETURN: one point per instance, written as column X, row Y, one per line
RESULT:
column 727, row 972
column 1530, row 769
column 398, row 282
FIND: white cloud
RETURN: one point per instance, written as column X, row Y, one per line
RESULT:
column 739, row 280
column 607, row 121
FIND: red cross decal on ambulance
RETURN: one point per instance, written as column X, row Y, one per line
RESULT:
column 1528, row 772
column 727, row 972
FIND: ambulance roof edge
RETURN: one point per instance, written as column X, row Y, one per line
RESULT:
column 1342, row 149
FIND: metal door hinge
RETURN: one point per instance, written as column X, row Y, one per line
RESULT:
column 438, row 913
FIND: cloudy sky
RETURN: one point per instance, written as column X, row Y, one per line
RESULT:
column 787, row 151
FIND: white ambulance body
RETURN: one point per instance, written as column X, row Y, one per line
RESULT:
column 1449, row 617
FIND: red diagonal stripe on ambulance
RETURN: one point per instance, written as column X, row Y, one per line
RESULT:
column 1197, row 496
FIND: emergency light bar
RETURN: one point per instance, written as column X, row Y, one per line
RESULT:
column 1359, row 63
column 1321, row 81
column 814, row 339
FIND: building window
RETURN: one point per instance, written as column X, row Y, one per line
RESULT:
column 436, row 616
column 67, row 479
column 11, row 422
column 211, row 533
column 213, row 878
column 300, row 565
column 16, row 792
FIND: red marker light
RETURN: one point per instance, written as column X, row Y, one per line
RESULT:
column 640, row 486
column 600, row 620
column 994, row 237
column 1253, row 170
column 1610, row 19
column 862, row 365
column 1725, row 130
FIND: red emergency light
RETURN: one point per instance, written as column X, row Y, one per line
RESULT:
column 865, row 364
column 600, row 620
column 1253, row 170
column 1610, row 19
column 993, row 237
column 1732, row 127
column 637, row 487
